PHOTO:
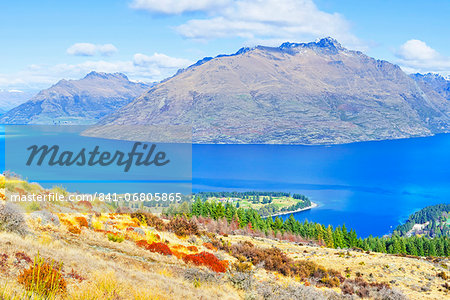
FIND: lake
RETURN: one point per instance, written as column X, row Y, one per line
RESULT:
column 369, row 186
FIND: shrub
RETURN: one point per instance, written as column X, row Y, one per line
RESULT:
column 274, row 259
column 207, row 259
column 272, row 290
column 21, row 256
column 115, row 238
column 73, row 274
column 12, row 219
column 241, row 280
column 74, row 229
column 364, row 289
column 82, row 222
column 160, row 248
column 443, row 275
column 183, row 227
column 43, row 278
column 209, row 246
column 149, row 219
column 3, row 261
column 199, row 275
column 243, row 267
column 192, row 248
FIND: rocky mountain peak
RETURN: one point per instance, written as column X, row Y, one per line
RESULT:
column 102, row 75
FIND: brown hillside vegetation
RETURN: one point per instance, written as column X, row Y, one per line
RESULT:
column 119, row 256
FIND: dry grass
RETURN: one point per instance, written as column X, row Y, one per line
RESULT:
column 97, row 268
column 112, row 270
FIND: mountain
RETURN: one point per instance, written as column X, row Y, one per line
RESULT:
column 81, row 101
column 12, row 98
column 433, row 83
column 298, row 93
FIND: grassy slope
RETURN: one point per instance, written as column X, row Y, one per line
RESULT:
column 125, row 271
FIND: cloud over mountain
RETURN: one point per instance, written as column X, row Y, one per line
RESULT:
column 255, row 20
column 416, row 56
column 88, row 49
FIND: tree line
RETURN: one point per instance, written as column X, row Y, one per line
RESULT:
column 332, row 237
column 436, row 215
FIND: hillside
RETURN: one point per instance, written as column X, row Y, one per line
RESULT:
column 433, row 84
column 116, row 256
column 307, row 93
column 86, row 250
column 431, row 221
column 81, row 101
column 9, row 99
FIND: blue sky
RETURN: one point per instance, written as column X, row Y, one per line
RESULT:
column 44, row 41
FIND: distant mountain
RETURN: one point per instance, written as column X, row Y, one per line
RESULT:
column 434, row 84
column 12, row 98
column 81, row 101
column 307, row 93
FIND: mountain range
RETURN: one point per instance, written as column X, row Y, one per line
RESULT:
column 81, row 101
column 297, row 93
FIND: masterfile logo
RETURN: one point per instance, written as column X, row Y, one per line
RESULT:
column 135, row 159
column 54, row 156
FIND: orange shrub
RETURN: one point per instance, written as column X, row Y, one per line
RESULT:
column 207, row 259
column 82, row 222
column 160, row 248
column 43, row 278
column 209, row 246
column 66, row 222
column 74, row 230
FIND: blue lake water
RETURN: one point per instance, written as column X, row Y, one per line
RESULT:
column 370, row 186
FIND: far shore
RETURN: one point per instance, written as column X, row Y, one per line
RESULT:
column 294, row 211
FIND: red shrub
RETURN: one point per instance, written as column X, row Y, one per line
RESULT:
column 207, row 259
column 160, row 248
column 21, row 256
column 192, row 248
column 73, row 274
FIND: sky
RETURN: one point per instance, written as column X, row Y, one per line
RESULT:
column 149, row 40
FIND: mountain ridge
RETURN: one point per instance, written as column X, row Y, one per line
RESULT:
column 298, row 93
column 81, row 101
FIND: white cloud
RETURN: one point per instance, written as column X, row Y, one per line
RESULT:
column 107, row 49
column 159, row 60
column 178, row 6
column 141, row 67
column 88, row 49
column 417, row 50
column 256, row 20
column 417, row 56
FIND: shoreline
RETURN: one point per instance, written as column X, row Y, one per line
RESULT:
column 313, row 205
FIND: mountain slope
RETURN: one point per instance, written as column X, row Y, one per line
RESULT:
column 433, row 83
column 81, row 101
column 12, row 98
column 309, row 93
